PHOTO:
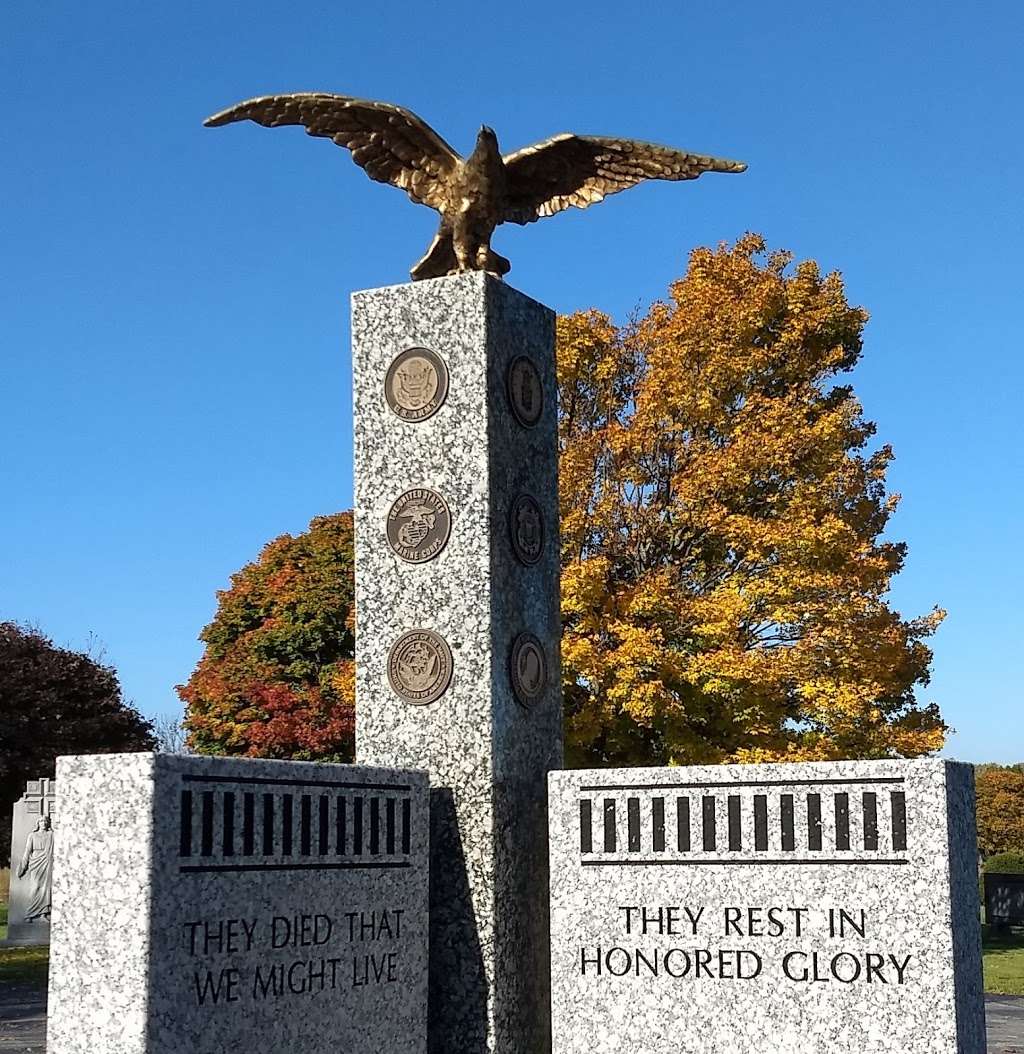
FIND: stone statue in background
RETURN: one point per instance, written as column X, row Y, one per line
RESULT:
column 37, row 869
column 474, row 194
column 32, row 849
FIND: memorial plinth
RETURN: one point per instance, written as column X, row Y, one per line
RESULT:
column 458, row 625
column 766, row 909
column 217, row 905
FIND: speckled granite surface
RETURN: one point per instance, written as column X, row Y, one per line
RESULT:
column 766, row 909
column 215, row 905
column 487, row 754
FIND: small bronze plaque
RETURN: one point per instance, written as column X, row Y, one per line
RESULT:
column 419, row 524
column 416, row 384
column 529, row 669
column 525, row 392
column 527, row 526
column 420, row 666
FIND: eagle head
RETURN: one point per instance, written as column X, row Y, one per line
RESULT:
column 486, row 137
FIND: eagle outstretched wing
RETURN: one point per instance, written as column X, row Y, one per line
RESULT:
column 580, row 170
column 392, row 144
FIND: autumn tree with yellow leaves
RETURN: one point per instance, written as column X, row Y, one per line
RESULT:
column 1000, row 811
column 723, row 570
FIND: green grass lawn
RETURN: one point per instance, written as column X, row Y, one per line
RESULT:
column 1004, row 962
column 24, row 965
column 21, row 965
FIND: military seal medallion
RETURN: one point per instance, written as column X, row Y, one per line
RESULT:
column 529, row 669
column 525, row 392
column 416, row 384
column 420, row 666
column 527, row 527
column 419, row 525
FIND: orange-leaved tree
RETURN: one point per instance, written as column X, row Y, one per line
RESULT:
column 723, row 570
column 277, row 676
column 723, row 567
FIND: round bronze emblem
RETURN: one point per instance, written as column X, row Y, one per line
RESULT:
column 416, row 384
column 527, row 526
column 420, row 666
column 529, row 669
column 419, row 524
column 524, row 391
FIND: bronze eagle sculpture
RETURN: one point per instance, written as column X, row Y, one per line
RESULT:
column 477, row 193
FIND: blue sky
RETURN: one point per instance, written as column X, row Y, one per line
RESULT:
column 174, row 300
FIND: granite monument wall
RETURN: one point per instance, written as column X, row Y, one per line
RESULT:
column 816, row 908
column 218, row 905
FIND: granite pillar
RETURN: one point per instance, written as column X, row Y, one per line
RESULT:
column 32, row 864
column 458, row 625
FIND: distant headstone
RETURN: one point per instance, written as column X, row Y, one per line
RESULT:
column 1004, row 899
column 32, row 839
column 212, row 905
column 766, row 909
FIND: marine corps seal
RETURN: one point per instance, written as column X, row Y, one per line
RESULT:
column 419, row 525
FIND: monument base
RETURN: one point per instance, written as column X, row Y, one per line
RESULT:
column 26, row 942
column 819, row 908
column 221, row 904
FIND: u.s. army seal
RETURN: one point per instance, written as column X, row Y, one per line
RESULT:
column 416, row 384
